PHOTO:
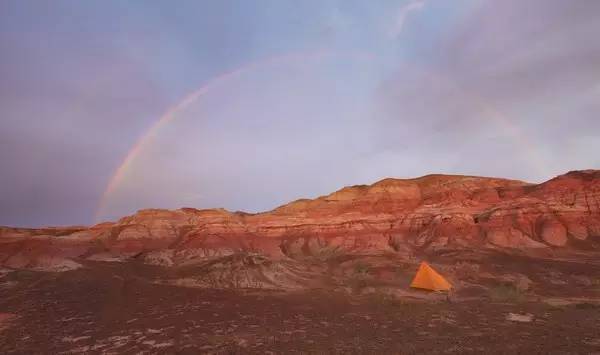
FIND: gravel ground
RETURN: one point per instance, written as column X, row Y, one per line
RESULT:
column 115, row 308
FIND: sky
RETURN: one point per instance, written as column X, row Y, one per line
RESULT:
column 108, row 107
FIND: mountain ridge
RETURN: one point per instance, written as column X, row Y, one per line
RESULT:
column 402, row 216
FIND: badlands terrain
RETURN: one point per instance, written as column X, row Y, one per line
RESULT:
column 327, row 275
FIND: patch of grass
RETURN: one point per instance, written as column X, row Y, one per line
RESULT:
column 21, row 275
column 465, row 270
column 586, row 305
column 361, row 268
column 507, row 293
column 327, row 253
column 380, row 299
column 357, row 284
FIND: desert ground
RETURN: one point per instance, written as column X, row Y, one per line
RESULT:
column 126, row 308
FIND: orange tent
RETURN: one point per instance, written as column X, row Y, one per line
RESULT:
column 427, row 278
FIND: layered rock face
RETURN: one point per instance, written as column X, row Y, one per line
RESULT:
column 400, row 216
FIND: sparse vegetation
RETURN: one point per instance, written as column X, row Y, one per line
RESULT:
column 359, row 280
column 327, row 253
column 361, row 268
column 119, row 309
column 357, row 284
column 587, row 305
column 507, row 293
column 465, row 270
column 382, row 299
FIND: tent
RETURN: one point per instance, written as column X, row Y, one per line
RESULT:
column 428, row 279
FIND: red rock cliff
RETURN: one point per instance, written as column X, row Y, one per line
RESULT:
column 392, row 215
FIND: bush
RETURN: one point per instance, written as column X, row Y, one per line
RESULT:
column 587, row 305
column 326, row 253
column 380, row 299
column 361, row 268
column 465, row 270
column 507, row 293
column 357, row 284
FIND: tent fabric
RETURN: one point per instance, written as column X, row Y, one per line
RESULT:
column 429, row 279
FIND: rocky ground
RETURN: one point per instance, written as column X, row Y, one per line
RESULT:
column 327, row 275
column 106, row 307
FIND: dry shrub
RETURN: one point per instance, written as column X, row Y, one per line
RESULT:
column 357, row 284
column 465, row 270
column 507, row 293
column 587, row 305
column 380, row 299
column 361, row 268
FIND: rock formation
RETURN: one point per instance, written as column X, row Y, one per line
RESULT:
column 399, row 216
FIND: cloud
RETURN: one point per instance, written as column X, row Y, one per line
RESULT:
column 480, row 87
column 402, row 15
column 539, row 77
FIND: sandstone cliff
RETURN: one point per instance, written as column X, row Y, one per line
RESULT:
column 398, row 216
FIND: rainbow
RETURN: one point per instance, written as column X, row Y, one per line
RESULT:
column 509, row 127
column 117, row 177
column 171, row 113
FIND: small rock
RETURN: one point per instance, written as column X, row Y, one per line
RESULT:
column 523, row 318
column 582, row 280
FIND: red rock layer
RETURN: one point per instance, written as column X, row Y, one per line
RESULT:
column 392, row 215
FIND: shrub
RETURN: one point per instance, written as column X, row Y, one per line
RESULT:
column 507, row 293
column 357, row 284
column 465, row 270
column 380, row 299
column 587, row 305
column 361, row 268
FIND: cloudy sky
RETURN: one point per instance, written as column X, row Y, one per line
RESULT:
column 107, row 107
